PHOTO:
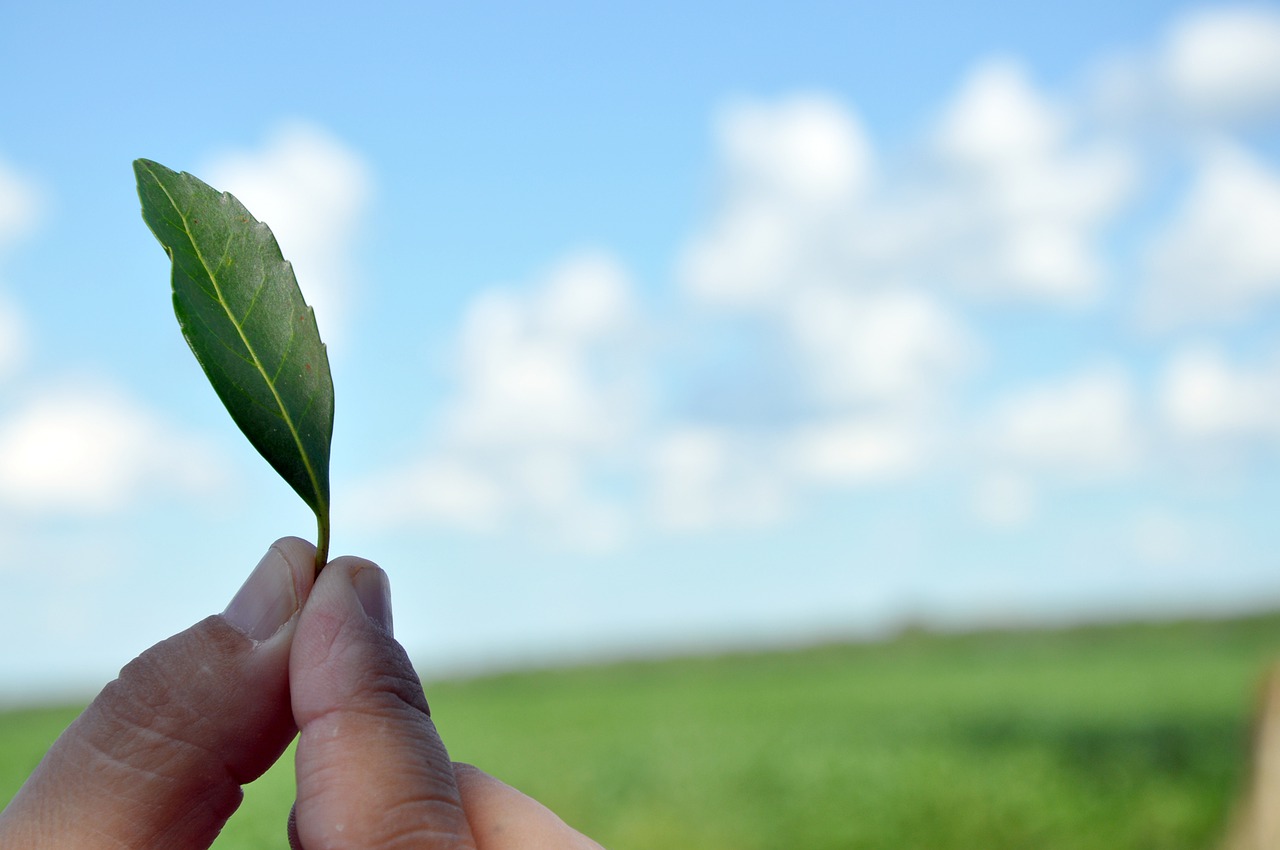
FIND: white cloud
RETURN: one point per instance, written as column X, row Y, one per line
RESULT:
column 80, row 448
column 1218, row 257
column 550, row 369
column 792, row 172
column 702, row 477
column 549, row 390
column 858, row 268
column 443, row 490
column 1008, row 201
column 846, row 280
column 1083, row 427
column 705, row 478
column 91, row 450
column 746, row 258
column 1224, row 63
column 899, row 347
column 1203, row 397
column 821, row 265
column 856, row 451
column 312, row 190
column 997, row 117
column 1214, row 70
column 806, row 150
column 1020, row 203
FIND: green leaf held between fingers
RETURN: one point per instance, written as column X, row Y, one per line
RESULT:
column 241, row 311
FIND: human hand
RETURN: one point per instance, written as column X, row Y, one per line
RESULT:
column 372, row 771
column 157, row 760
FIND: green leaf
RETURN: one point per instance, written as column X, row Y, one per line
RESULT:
column 241, row 311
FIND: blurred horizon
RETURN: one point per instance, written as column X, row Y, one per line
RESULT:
column 654, row 328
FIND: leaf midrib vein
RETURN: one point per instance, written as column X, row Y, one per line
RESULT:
column 200, row 315
column 321, row 501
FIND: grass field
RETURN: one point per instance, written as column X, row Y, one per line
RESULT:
column 1107, row 737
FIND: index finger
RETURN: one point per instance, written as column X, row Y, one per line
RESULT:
column 372, row 771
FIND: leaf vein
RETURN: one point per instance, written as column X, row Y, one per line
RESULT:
column 305, row 455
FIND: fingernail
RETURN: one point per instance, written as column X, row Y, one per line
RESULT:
column 374, row 592
column 266, row 600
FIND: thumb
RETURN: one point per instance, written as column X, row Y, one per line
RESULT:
column 157, row 760
column 372, row 772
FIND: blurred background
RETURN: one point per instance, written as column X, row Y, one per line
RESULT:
column 655, row 327
column 676, row 330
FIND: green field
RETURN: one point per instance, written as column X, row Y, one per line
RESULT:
column 1106, row 737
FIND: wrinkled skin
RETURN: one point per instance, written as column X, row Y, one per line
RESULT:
column 159, row 758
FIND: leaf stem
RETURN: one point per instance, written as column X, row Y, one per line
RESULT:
column 322, row 540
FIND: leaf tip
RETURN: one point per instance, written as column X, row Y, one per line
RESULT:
column 146, row 172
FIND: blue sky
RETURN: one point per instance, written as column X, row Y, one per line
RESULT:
column 656, row 327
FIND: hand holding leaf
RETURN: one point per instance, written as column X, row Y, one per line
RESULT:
column 241, row 311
